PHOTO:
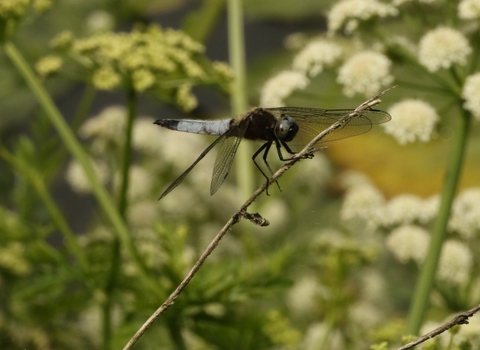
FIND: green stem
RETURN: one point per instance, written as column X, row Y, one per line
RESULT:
column 427, row 275
column 244, row 167
column 122, row 208
column 238, row 90
column 127, row 152
column 199, row 24
column 79, row 154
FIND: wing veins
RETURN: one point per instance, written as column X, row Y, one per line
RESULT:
column 226, row 155
column 182, row 177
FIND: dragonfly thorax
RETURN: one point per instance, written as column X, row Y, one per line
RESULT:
column 286, row 128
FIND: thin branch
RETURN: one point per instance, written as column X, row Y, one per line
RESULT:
column 457, row 320
column 307, row 152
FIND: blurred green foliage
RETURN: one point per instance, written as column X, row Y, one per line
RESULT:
column 305, row 282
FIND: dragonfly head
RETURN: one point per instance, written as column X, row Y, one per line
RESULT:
column 286, row 128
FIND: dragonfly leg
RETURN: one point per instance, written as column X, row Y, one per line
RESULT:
column 287, row 148
column 265, row 154
column 279, row 150
column 266, row 146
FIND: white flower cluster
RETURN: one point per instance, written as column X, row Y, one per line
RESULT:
column 365, row 73
column 409, row 242
column 469, row 9
column 365, row 203
column 411, row 120
column 400, row 2
column 276, row 89
column 465, row 218
column 105, row 128
column 442, row 48
column 471, row 94
column 349, row 13
column 455, row 262
column 79, row 181
column 315, row 55
column 302, row 297
column 406, row 209
column 140, row 183
column 310, row 61
column 99, row 21
column 146, row 137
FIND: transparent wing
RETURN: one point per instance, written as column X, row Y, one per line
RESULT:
column 312, row 121
column 226, row 155
column 180, row 179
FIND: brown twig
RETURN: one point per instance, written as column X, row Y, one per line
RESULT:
column 307, row 152
column 457, row 320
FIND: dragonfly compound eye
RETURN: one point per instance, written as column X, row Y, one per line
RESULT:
column 286, row 129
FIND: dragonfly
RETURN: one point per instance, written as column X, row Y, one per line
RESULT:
column 288, row 127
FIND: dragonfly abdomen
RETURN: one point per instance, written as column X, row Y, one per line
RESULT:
column 210, row 127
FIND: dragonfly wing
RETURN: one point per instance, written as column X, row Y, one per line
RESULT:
column 226, row 155
column 312, row 121
column 179, row 179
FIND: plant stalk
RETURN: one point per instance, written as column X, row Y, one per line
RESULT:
column 425, row 282
column 238, row 90
column 122, row 209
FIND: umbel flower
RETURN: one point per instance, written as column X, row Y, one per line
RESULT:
column 314, row 56
column 365, row 73
column 276, row 89
column 166, row 63
column 12, row 12
column 349, row 13
column 443, row 47
column 471, row 94
column 412, row 120
column 469, row 9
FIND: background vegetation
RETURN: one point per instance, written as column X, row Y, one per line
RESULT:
column 368, row 241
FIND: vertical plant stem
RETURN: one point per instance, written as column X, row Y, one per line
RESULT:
column 127, row 152
column 122, row 208
column 238, row 95
column 74, row 147
column 238, row 90
column 427, row 275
